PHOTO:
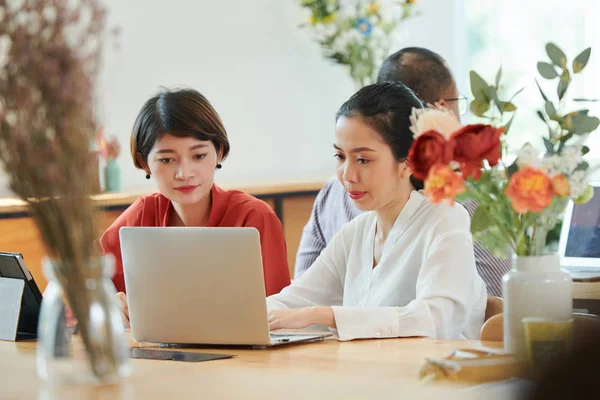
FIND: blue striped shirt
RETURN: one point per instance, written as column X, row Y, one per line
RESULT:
column 333, row 208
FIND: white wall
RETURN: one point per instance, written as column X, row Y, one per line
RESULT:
column 275, row 92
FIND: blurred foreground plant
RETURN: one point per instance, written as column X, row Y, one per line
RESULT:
column 49, row 58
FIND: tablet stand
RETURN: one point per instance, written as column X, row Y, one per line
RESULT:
column 11, row 297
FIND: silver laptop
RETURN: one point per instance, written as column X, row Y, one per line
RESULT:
column 579, row 245
column 192, row 285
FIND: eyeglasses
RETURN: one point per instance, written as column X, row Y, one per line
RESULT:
column 463, row 104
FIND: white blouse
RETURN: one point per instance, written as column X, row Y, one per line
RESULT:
column 425, row 283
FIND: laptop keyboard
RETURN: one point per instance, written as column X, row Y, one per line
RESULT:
column 295, row 337
column 585, row 275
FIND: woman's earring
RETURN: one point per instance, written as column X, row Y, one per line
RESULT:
column 219, row 166
column 147, row 176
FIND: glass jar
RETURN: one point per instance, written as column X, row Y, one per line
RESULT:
column 95, row 350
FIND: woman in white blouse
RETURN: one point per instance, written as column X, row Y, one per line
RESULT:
column 404, row 269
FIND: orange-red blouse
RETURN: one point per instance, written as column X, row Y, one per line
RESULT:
column 230, row 208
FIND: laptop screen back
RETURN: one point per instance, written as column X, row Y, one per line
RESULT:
column 580, row 237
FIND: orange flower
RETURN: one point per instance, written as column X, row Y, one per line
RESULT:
column 560, row 185
column 373, row 8
column 529, row 189
column 443, row 183
column 101, row 143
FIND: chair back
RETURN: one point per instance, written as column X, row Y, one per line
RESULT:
column 585, row 327
column 495, row 305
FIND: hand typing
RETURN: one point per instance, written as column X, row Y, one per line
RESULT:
column 122, row 301
column 301, row 318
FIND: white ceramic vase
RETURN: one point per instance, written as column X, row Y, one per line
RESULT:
column 536, row 286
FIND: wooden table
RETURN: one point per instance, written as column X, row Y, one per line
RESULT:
column 586, row 290
column 291, row 201
column 385, row 368
column 13, row 205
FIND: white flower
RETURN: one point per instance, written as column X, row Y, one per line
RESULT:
column 388, row 16
column 564, row 163
column 341, row 42
column 577, row 182
column 338, row 46
column 330, row 29
column 570, row 158
column 437, row 119
column 377, row 34
column 551, row 165
column 354, row 35
column 379, row 55
column 528, row 157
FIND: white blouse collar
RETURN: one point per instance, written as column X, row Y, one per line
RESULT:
column 404, row 219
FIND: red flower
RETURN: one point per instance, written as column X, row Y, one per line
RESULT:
column 428, row 149
column 473, row 144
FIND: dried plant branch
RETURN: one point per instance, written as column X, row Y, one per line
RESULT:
column 50, row 53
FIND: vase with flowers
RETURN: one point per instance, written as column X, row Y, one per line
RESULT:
column 109, row 151
column 519, row 201
column 49, row 54
column 357, row 33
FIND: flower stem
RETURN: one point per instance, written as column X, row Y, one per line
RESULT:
column 482, row 199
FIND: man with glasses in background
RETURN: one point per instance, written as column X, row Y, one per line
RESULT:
column 429, row 76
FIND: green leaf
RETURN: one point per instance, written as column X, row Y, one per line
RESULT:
column 512, row 169
column 541, row 115
column 549, row 146
column 508, row 124
column 498, row 76
column 563, row 140
column 508, row 106
column 557, row 56
column 562, row 88
column 550, row 110
column 583, row 124
column 587, row 195
column 581, row 60
column 479, row 109
column 465, row 196
column 481, row 219
column 567, row 121
column 585, row 100
column 493, row 240
column 546, row 70
column 515, row 95
column 479, row 88
column 582, row 166
column 585, row 150
column 493, row 94
column 541, row 91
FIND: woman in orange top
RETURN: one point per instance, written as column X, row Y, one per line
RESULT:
column 178, row 138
